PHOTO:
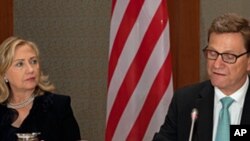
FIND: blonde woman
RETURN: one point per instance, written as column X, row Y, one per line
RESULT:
column 27, row 101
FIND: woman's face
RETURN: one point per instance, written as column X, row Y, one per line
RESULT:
column 23, row 74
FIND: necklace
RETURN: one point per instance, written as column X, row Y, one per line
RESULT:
column 21, row 104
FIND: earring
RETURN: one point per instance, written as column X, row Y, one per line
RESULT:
column 6, row 80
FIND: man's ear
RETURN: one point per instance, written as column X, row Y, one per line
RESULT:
column 248, row 64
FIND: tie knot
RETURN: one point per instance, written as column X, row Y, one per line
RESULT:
column 226, row 101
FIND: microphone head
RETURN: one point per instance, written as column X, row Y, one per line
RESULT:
column 194, row 114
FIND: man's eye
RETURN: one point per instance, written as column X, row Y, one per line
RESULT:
column 229, row 56
column 213, row 53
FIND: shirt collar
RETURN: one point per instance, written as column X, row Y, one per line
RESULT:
column 238, row 95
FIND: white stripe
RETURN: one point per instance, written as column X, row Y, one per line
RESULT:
column 130, row 49
column 119, row 10
column 159, row 115
column 138, row 97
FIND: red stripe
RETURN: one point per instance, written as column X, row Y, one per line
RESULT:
column 113, row 6
column 155, row 94
column 133, row 75
column 153, row 99
column 127, row 23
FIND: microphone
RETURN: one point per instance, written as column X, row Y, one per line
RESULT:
column 194, row 116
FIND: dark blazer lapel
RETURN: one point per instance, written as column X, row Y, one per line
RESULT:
column 205, row 106
column 245, row 118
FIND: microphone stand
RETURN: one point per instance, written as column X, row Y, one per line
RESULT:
column 194, row 116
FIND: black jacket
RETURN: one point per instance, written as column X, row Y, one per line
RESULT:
column 51, row 115
column 178, row 120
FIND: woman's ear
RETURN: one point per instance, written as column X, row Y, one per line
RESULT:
column 5, row 79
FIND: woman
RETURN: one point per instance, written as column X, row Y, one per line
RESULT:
column 27, row 104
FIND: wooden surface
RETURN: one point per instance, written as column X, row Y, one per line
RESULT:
column 184, row 41
column 6, row 19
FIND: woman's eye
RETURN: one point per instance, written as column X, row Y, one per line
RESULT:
column 19, row 64
column 34, row 61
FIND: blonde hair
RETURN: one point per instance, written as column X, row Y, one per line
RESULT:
column 7, row 51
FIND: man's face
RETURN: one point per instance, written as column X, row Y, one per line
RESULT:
column 228, row 77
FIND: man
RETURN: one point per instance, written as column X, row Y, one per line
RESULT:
column 228, row 63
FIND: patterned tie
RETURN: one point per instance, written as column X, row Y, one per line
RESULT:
column 224, row 120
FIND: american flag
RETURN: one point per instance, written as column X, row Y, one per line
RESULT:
column 140, row 84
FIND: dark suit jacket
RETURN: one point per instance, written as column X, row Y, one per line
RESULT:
column 51, row 115
column 178, row 120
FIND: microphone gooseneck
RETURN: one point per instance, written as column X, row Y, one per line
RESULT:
column 194, row 116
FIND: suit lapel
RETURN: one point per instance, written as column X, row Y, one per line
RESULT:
column 205, row 106
column 245, row 118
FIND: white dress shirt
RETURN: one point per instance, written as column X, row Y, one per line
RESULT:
column 235, row 109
